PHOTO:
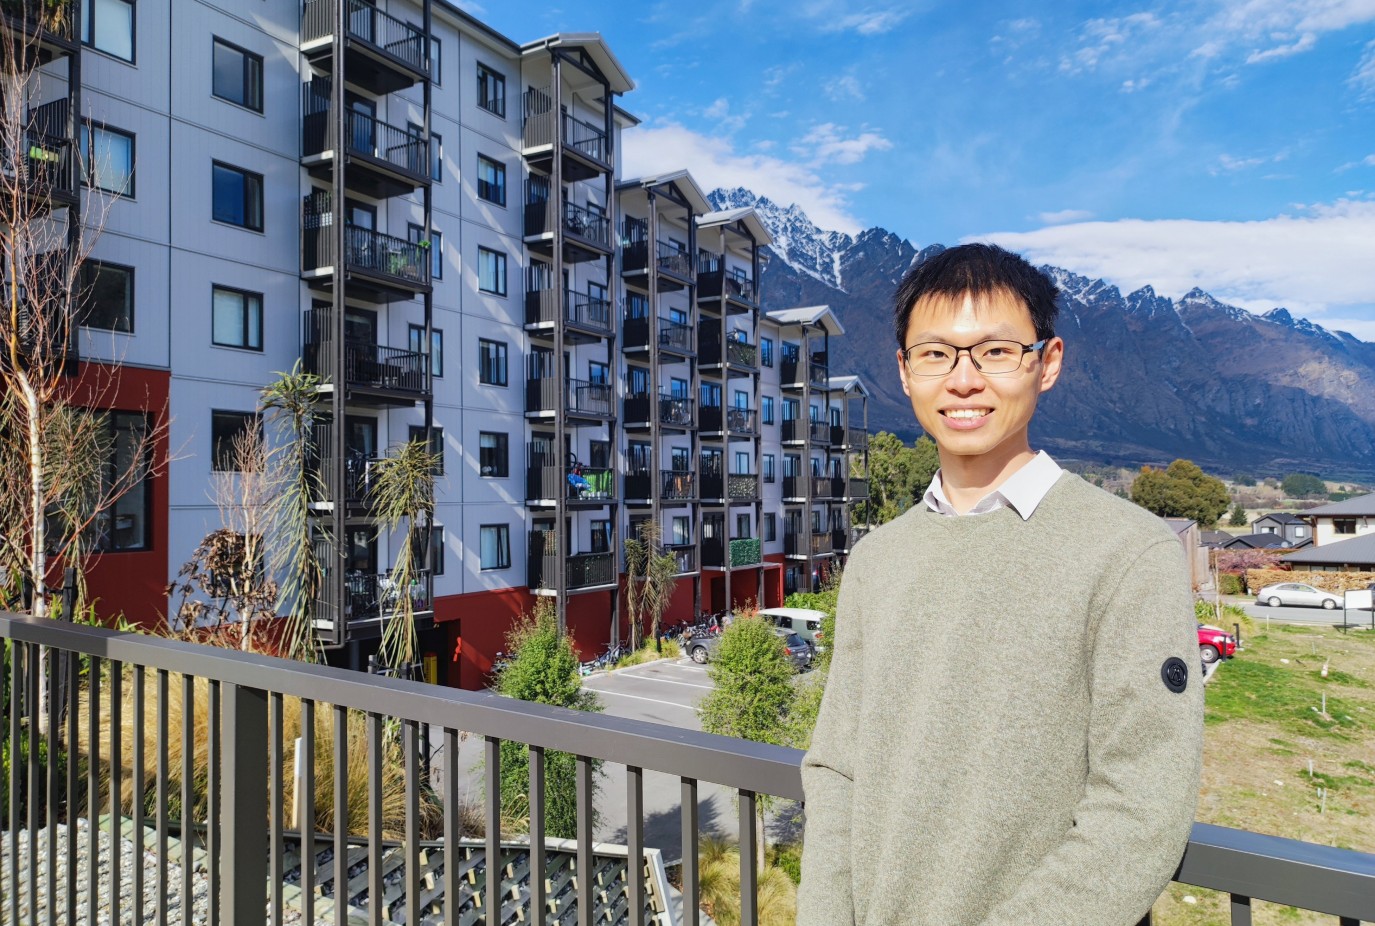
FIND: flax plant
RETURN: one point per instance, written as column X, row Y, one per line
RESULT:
column 403, row 495
column 650, row 581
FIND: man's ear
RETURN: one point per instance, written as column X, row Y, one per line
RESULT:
column 1052, row 360
column 902, row 376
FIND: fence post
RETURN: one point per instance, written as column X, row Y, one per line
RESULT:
column 243, row 810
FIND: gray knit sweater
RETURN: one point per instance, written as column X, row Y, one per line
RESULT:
column 997, row 744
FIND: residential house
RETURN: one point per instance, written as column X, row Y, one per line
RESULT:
column 1343, row 537
column 1291, row 527
column 1265, row 541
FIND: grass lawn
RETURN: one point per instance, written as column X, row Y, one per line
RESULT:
column 1264, row 726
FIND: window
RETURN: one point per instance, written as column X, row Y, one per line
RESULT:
column 417, row 433
column 770, row 467
column 679, row 457
column 491, row 362
column 237, row 75
column 437, row 157
column 437, row 549
column 742, row 463
column 108, row 156
column 742, row 526
column 601, row 537
column 225, row 430
column 237, row 196
column 682, row 531
column 491, row 180
column 436, row 61
column 491, row 271
column 107, row 293
column 491, row 91
column 1344, row 525
column 236, row 318
column 1300, row 532
column 123, row 441
column 496, row 546
column 417, row 346
column 768, row 409
column 598, row 373
column 770, row 528
column 493, row 455
column 108, row 26
column 766, row 351
column 416, row 235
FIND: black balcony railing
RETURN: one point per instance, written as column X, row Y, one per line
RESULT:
column 240, row 721
column 365, row 135
column 587, row 311
column 713, row 281
column 542, row 217
column 43, row 167
column 738, row 353
column 585, row 138
column 817, row 372
column 364, row 22
column 675, row 336
column 677, row 412
column 396, row 260
column 674, row 260
column 857, row 488
column 545, row 483
column 366, row 365
column 806, row 544
column 369, row 596
column 738, row 421
column 574, row 396
column 677, row 485
column 685, row 555
column 840, row 540
column 582, row 570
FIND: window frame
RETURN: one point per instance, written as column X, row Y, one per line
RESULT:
column 87, row 144
column 436, row 351
column 501, row 468
column 766, row 351
column 223, row 454
column 436, row 549
column 503, row 551
column 88, row 20
column 500, row 259
column 131, row 291
column 216, row 288
column 770, row 468
column 416, row 234
column 767, row 409
column 500, row 362
column 249, row 57
column 245, row 174
column 500, row 169
column 495, row 105
column 770, row 527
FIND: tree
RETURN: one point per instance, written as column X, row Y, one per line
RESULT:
column 1181, row 490
column 752, row 696
column 543, row 668
column 1238, row 518
column 1302, row 485
column 898, row 475
column 651, row 576
column 402, row 485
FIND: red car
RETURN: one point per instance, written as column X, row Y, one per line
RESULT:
column 1215, row 644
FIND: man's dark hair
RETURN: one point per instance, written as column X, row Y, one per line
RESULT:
column 980, row 270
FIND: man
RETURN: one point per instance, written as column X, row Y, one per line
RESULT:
column 1011, row 733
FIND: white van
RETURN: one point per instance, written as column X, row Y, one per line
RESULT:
column 804, row 622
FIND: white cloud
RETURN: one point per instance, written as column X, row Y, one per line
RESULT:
column 868, row 22
column 717, row 109
column 1065, row 215
column 845, row 88
column 650, row 149
column 1304, row 43
column 1317, row 258
column 1363, row 78
column 825, row 144
column 1227, row 163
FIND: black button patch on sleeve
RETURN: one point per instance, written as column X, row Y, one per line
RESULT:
column 1175, row 674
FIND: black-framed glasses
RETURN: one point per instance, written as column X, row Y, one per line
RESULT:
column 936, row 358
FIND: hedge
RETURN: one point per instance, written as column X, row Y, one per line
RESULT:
column 1335, row 582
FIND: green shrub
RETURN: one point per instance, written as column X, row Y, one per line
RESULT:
column 788, row 858
column 1229, row 584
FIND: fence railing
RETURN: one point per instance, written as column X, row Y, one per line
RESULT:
column 575, row 396
column 364, row 22
column 144, row 767
column 674, row 260
column 364, row 134
column 677, row 485
column 44, row 21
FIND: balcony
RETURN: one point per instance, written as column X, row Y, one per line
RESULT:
column 585, row 232
column 685, row 556
column 382, row 54
column 384, row 160
column 810, row 544
column 739, row 355
column 546, row 396
column 584, row 148
column 814, row 432
column 675, row 338
column 737, row 422
column 677, row 485
column 675, row 412
column 44, row 167
column 715, row 283
column 587, row 317
column 799, row 488
column 545, row 484
column 371, row 373
column 378, row 267
column 840, row 540
column 582, row 570
column 254, row 829
column 856, row 489
column 795, row 373
column 44, row 30
column 849, row 438
column 673, row 263
column 43, row 330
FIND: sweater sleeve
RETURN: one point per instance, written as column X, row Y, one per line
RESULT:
column 1145, row 757
column 824, row 897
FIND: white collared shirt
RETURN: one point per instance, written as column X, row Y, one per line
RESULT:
column 1022, row 491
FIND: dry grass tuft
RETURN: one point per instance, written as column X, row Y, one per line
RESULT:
column 719, row 885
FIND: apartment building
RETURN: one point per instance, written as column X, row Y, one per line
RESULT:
column 432, row 219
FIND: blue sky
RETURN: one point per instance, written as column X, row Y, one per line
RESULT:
column 1227, row 144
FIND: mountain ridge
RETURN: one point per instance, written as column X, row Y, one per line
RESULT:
column 1148, row 378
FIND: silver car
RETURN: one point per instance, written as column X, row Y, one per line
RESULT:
column 1296, row 594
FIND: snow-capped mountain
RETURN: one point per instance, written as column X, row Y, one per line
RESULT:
column 1147, row 378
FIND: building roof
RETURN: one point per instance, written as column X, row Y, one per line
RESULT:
column 848, row 384
column 747, row 215
column 681, row 179
column 1361, row 504
column 591, row 42
column 1214, row 538
column 1283, row 517
column 1258, row 542
column 820, row 315
column 1357, row 551
column 1179, row 525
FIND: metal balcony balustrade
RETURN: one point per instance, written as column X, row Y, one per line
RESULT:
column 43, row 163
column 677, row 485
column 542, row 216
column 582, row 570
column 857, row 488
column 245, row 817
column 684, row 555
column 673, row 411
column 47, row 26
column 796, row 543
column 713, row 281
column 674, row 260
column 729, row 418
column 584, row 138
column 380, row 31
column 394, row 261
column 34, row 333
column 391, row 147
column 739, row 353
column 349, row 484
column 366, row 365
column 371, row 596
column 545, row 483
column 584, row 310
column 816, row 372
column 673, row 336
column 573, row 396
column 840, row 539
column 854, row 438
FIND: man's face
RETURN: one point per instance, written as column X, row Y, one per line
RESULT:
column 973, row 414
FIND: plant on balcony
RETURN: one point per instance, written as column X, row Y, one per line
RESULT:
column 543, row 668
column 650, row 581
column 403, row 494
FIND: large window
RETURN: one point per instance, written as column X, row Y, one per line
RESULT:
column 491, row 271
column 766, row 351
column 491, row 362
column 682, row 531
column 108, row 26
column 491, row 91
column 236, row 318
column 237, row 196
column 491, row 180
column 496, row 546
column 416, row 235
column 437, row 549
column 107, row 294
column 770, row 467
column 493, row 454
column 123, row 470
column 767, row 408
column 770, row 527
column 417, row 435
column 237, row 75
column 226, row 429
column 108, row 156
column 417, row 346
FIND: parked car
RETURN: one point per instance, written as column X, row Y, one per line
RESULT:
column 1297, row 594
column 805, row 622
column 1215, row 643
column 797, row 649
column 702, row 647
